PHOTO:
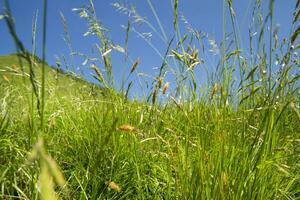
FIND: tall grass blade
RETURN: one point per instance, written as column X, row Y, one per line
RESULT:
column 43, row 98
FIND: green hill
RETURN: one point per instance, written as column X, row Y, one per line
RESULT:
column 60, row 83
column 17, row 88
column 107, row 148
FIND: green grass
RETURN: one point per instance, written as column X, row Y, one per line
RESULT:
column 206, row 153
column 222, row 145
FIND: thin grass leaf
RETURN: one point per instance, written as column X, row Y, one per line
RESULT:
column 233, row 53
column 296, row 17
column 127, row 90
column 181, row 41
column 295, row 35
column 250, row 94
column 251, row 73
column 43, row 99
column 175, row 14
column 128, row 28
column 164, row 36
column 178, row 56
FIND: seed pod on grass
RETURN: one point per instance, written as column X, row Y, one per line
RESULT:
column 214, row 90
column 112, row 185
column 224, row 181
column 165, row 88
column 154, row 96
column 99, row 76
column 127, row 128
column 106, row 62
column 97, row 71
column 134, row 66
column 159, row 82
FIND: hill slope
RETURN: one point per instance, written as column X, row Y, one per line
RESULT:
column 62, row 84
column 107, row 148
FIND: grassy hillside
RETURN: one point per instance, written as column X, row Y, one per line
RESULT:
column 235, row 141
column 17, row 88
column 107, row 148
column 62, row 83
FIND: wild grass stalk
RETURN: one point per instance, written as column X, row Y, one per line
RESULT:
column 68, row 41
column 23, row 54
column 271, row 8
column 223, row 51
column 32, row 121
column 43, row 98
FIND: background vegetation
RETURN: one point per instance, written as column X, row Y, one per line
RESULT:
column 238, row 138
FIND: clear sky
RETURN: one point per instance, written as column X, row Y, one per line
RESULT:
column 203, row 15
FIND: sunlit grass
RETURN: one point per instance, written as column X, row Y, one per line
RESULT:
column 234, row 141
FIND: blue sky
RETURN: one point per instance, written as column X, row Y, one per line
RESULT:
column 204, row 15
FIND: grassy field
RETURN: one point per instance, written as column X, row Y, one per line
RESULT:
column 91, row 142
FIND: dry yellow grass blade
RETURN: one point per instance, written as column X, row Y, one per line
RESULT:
column 5, row 78
column 50, row 172
column 46, row 184
column 127, row 128
column 55, row 171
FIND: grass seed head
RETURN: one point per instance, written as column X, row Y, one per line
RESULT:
column 99, row 74
column 224, row 179
column 112, row 185
column 159, row 82
column 154, row 96
column 214, row 90
column 127, row 128
column 134, row 66
column 165, row 88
